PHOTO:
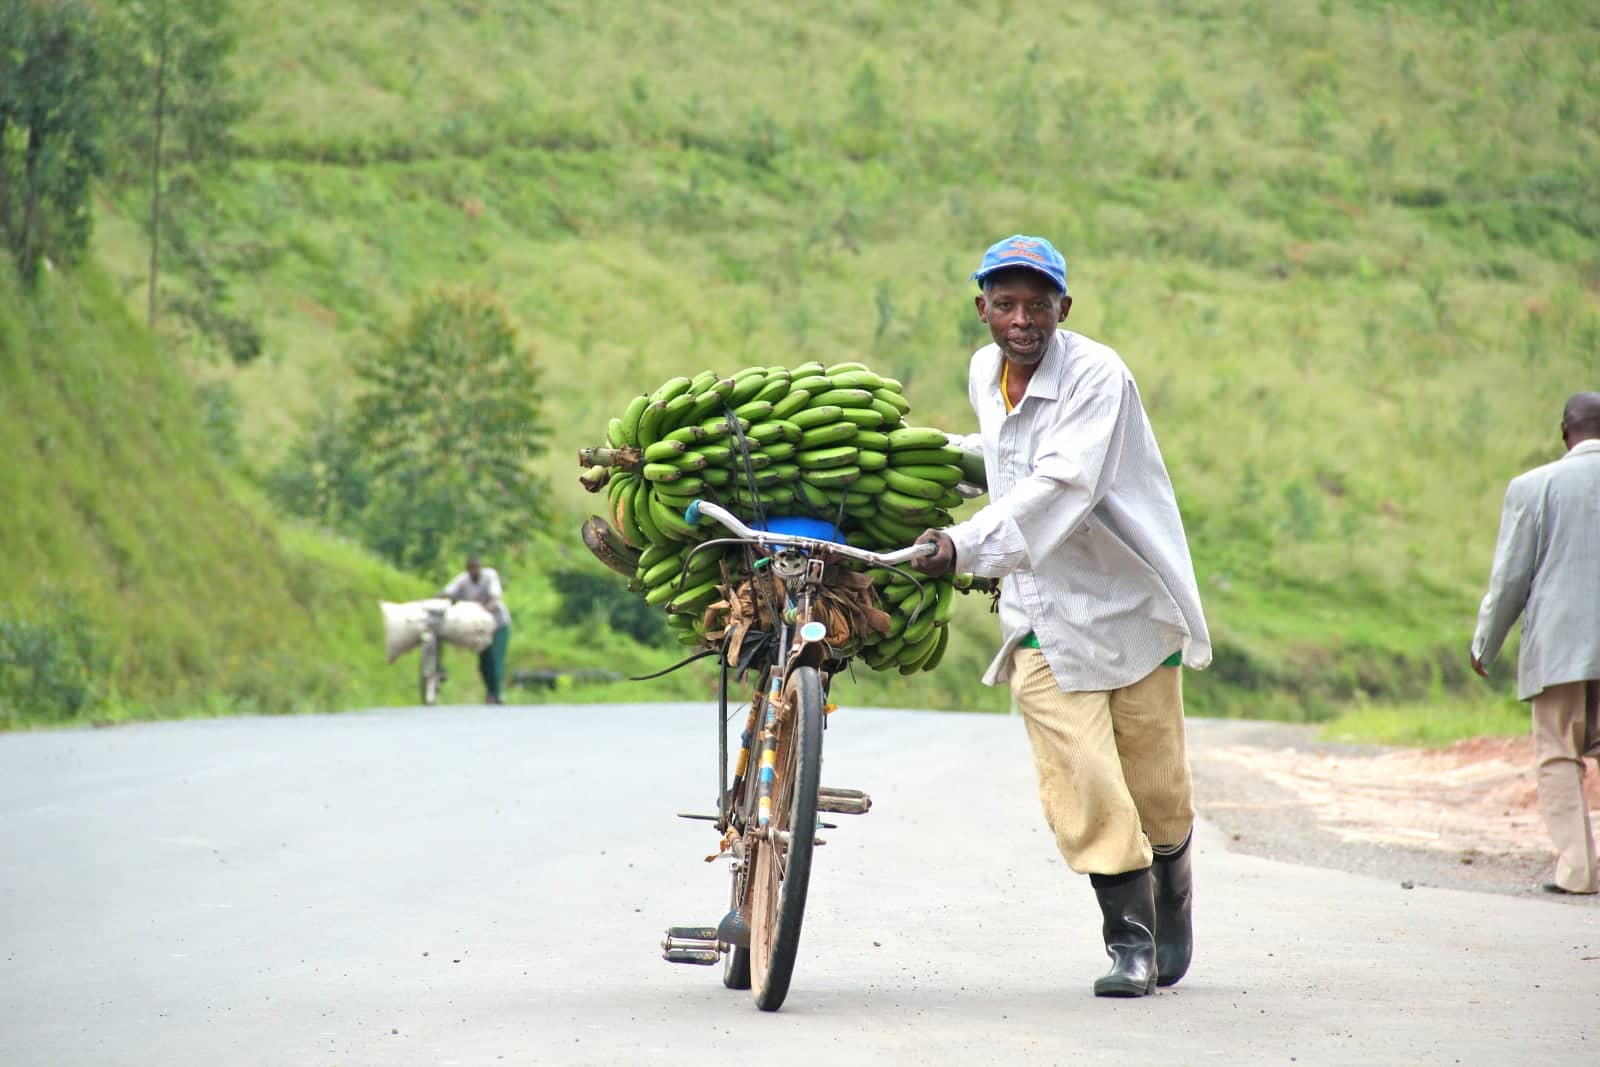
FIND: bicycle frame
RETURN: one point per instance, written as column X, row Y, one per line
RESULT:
column 797, row 642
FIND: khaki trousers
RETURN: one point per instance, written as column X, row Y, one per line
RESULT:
column 1566, row 727
column 1113, row 772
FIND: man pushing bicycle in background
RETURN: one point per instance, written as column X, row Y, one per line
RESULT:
column 1099, row 607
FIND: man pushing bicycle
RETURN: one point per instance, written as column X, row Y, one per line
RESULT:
column 1099, row 608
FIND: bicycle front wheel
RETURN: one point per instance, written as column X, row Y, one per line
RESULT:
column 782, row 868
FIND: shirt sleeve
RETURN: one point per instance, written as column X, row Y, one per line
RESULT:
column 453, row 590
column 1510, row 578
column 1075, row 464
column 492, row 588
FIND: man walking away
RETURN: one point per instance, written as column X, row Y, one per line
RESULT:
column 1547, row 569
column 1098, row 606
column 481, row 585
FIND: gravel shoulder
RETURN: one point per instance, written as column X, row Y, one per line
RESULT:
column 1461, row 817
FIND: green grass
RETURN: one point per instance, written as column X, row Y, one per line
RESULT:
column 1349, row 252
column 199, row 599
column 1431, row 723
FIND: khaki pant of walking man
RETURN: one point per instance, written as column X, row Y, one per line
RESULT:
column 1566, row 728
column 1113, row 770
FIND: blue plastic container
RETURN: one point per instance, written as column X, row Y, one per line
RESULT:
column 800, row 526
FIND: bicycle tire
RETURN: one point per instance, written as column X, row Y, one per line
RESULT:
column 782, row 874
column 429, row 682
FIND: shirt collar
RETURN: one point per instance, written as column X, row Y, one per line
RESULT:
column 1046, row 379
column 1591, row 445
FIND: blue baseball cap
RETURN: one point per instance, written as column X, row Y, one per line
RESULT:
column 1019, row 250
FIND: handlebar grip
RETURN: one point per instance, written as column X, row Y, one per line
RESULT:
column 691, row 514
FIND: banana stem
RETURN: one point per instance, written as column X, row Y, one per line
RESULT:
column 594, row 479
column 629, row 459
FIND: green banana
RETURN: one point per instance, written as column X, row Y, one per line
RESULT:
column 893, row 398
column 856, row 379
column 871, row 484
column 811, row 495
column 813, row 384
column 754, row 410
column 942, row 473
column 664, row 450
column 842, row 368
column 630, row 419
column 746, row 388
column 812, row 417
column 822, row 436
column 946, row 607
column 832, row 476
column 614, row 436
column 689, row 433
column 938, row 649
column 641, row 513
column 709, row 400
column 823, row 458
column 916, row 437
column 873, row 439
column 677, row 412
column 780, row 450
column 655, row 553
column 845, row 398
column 950, row 499
column 767, row 432
column 870, row 459
column 702, row 381
column 794, row 401
column 671, row 388
column 921, row 488
column 915, row 457
column 888, row 413
column 864, row 418
column 776, row 389
column 650, row 423
column 661, row 472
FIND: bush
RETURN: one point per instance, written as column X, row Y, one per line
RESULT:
column 51, row 666
column 585, row 594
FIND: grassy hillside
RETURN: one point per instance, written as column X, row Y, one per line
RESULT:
column 137, row 574
column 1350, row 251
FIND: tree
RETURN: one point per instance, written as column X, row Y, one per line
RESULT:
column 183, row 100
column 435, row 459
column 52, row 110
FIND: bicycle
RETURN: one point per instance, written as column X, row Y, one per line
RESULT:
column 430, row 663
column 769, row 819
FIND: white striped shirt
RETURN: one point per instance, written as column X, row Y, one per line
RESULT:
column 1083, row 524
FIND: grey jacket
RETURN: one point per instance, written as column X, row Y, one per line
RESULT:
column 1547, row 569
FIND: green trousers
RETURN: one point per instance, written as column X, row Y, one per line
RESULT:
column 492, row 661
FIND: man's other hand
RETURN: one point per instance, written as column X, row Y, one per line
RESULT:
column 940, row 562
column 1478, row 667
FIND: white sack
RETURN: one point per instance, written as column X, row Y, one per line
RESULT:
column 468, row 625
column 465, row 624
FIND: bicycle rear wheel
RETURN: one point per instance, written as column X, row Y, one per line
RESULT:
column 782, row 862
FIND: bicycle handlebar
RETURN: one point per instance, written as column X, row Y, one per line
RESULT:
column 704, row 508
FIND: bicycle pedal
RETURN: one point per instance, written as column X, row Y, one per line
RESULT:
column 843, row 801
column 691, row 944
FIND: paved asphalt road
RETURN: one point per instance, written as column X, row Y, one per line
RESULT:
column 487, row 885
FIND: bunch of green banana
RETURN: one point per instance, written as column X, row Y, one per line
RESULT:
column 919, row 610
column 823, row 441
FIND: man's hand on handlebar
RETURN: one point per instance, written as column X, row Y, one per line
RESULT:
column 940, row 562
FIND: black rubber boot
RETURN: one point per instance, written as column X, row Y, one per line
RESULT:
column 1128, row 905
column 1174, row 929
